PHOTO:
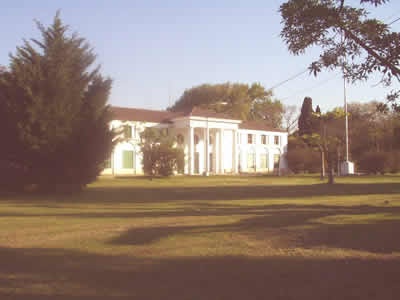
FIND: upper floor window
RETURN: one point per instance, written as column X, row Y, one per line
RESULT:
column 196, row 139
column 251, row 139
column 264, row 139
column 277, row 140
column 127, row 131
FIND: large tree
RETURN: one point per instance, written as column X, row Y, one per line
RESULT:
column 373, row 133
column 305, row 121
column 241, row 101
column 348, row 37
column 53, row 109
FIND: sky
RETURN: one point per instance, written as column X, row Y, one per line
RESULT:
column 154, row 50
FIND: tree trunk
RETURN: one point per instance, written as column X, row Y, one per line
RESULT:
column 331, row 178
column 322, row 176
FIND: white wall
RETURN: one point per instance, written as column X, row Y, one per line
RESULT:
column 225, row 158
column 133, row 144
column 258, row 148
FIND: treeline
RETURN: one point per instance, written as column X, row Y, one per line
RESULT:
column 374, row 140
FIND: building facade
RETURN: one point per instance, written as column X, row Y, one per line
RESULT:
column 213, row 143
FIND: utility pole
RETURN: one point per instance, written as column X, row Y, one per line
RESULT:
column 347, row 166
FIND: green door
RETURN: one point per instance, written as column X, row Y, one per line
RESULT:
column 127, row 159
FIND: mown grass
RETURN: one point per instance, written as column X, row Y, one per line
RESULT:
column 205, row 238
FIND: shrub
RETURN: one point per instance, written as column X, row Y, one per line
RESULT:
column 301, row 157
column 161, row 157
column 373, row 162
column 393, row 162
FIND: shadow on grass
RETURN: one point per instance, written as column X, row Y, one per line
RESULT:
column 60, row 274
column 293, row 228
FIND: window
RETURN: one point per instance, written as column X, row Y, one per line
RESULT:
column 127, row 131
column 264, row 139
column 127, row 159
column 263, row 161
column 210, row 139
column 251, row 161
column 196, row 139
column 277, row 140
column 250, row 139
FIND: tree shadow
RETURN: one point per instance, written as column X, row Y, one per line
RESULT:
column 301, row 228
column 61, row 274
column 380, row 237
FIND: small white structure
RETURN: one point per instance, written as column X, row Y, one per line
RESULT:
column 347, row 168
column 213, row 142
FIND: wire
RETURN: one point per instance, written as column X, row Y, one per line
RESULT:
column 394, row 21
column 289, row 79
column 310, row 88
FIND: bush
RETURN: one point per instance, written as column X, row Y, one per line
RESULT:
column 13, row 177
column 374, row 162
column 393, row 162
column 295, row 159
column 161, row 157
column 301, row 157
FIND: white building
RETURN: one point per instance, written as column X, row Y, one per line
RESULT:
column 213, row 142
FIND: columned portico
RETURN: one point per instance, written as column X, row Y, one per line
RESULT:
column 222, row 150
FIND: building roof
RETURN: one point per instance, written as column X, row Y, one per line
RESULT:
column 164, row 116
column 142, row 115
column 258, row 125
column 207, row 113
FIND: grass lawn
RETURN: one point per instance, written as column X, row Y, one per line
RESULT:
column 205, row 238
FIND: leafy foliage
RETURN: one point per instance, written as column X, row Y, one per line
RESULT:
column 161, row 157
column 240, row 101
column 349, row 39
column 302, row 158
column 373, row 131
column 373, row 162
column 53, row 109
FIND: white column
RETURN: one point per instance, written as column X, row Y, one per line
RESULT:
column 191, row 150
column 216, row 151
column 206, row 150
column 234, row 153
column 220, row 149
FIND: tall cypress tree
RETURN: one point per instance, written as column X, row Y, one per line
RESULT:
column 306, row 117
column 55, row 102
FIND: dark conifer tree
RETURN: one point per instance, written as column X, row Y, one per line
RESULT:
column 55, row 103
column 306, row 117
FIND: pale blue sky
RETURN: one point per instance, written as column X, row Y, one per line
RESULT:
column 154, row 50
